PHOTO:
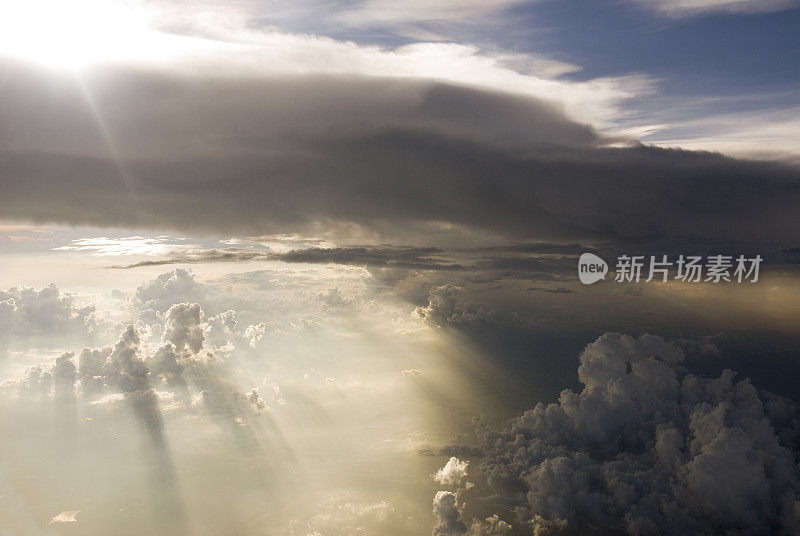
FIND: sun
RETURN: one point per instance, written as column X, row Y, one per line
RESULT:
column 71, row 34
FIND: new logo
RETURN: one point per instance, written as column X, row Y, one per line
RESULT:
column 591, row 268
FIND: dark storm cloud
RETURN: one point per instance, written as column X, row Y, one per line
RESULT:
column 557, row 290
column 418, row 258
column 397, row 157
column 394, row 257
column 206, row 255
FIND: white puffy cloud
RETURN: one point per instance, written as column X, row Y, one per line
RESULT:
column 125, row 367
column 491, row 526
column 166, row 364
column 104, row 374
column 607, row 359
column 27, row 311
column 229, row 320
column 37, row 380
column 453, row 473
column 337, row 518
column 184, row 327
column 91, row 363
column 255, row 400
column 135, row 365
column 255, row 332
column 333, row 298
column 179, row 285
column 444, row 308
column 647, row 448
column 8, row 307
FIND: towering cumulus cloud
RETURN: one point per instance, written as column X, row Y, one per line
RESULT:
column 184, row 327
column 447, row 512
column 647, row 448
column 179, row 285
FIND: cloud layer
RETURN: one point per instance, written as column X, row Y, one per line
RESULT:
column 332, row 154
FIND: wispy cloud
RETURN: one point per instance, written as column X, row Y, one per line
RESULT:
column 681, row 8
column 768, row 133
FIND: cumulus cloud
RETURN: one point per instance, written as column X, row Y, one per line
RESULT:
column 444, row 308
column 65, row 374
column 648, row 448
column 119, row 369
column 229, row 320
column 37, row 380
column 337, row 518
column 333, row 298
column 453, row 473
column 184, row 327
column 165, row 363
column 179, row 285
column 125, row 368
column 707, row 346
column 91, row 363
column 255, row 332
column 255, row 400
column 491, row 526
column 132, row 370
column 446, row 510
column 27, row 311
column 145, row 377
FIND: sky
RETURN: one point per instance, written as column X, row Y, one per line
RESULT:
column 453, row 267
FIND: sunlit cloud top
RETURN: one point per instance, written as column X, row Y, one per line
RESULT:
column 133, row 245
column 71, row 34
